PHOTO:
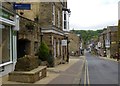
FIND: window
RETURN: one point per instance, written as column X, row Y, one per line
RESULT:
column 65, row 17
column 58, row 48
column 54, row 48
column 58, row 18
column 65, row 25
column 53, row 13
column 65, row 20
column 5, row 43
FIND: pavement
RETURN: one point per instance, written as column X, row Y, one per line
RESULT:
column 69, row 73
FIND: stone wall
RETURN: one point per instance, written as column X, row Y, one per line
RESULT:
column 8, row 5
column 29, row 30
column 49, row 39
column 46, row 15
column 118, row 35
column 27, row 45
column 114, row 45
column 30, row 14
column 74, row 43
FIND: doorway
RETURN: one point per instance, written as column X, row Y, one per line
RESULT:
column 23, row 48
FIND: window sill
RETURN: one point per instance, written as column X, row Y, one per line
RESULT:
column 7, row 63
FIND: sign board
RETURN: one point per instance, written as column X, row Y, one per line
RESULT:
column 114, row 42
column 99, row 44
column 64, row 42
column 6, row 15
column 107, row 43
column 22, row 6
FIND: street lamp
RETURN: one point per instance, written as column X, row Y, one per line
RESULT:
column 80, row 47
column 41, row 35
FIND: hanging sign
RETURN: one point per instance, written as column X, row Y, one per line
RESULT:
column 64, row 42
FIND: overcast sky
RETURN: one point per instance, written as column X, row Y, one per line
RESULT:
column 93, row 14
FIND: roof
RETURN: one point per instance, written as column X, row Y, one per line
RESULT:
column 112, row 28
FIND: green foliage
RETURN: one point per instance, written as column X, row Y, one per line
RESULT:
column 43, row 52
column 88, row 34
column 50, row 61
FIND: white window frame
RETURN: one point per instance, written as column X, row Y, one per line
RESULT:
column 58, row 18
column 53, row 13
column 67, row 21
column 9, row 62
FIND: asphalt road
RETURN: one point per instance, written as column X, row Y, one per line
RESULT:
column 99, row 71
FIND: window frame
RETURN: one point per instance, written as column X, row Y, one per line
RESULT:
column 53, row 14
column 11, row 49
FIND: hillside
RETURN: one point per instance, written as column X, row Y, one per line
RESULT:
column 87, row 34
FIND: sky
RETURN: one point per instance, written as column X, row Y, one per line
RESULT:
column 93, row 14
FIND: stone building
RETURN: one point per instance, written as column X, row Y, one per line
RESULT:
column 118, row 36
column 53, row 19
column 102, row 47
column 113, row 39
column 75, row 44
column 108, row 40
column 9, row 25
column 28, row 40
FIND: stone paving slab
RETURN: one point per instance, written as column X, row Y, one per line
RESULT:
column 71, row 75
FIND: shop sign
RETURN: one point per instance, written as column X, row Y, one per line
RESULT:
column 107, row 43
column 6, row 15
column 64, row 42
column 113, row 42
column 22, row 6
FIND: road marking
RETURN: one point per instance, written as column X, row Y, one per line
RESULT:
column 85, row 75
column 88, row 79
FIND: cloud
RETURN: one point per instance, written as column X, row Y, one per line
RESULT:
column 93, row 13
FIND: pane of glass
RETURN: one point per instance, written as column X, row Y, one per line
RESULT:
column 5, row 31
column 64, row 16
column 65, row 27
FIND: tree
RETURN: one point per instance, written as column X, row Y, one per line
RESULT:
column 88, row 34
column 45, row 55
column 43, row 52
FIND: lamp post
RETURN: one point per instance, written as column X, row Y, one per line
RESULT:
column 67, row 49
column 79, row 43
column 41, row 35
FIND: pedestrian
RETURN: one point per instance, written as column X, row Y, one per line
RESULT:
column 104, row 53
column 117, row 56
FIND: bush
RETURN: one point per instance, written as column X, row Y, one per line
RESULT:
column 43, row 52
column 50, row 61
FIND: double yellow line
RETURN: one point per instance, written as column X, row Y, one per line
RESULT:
column 86, row 75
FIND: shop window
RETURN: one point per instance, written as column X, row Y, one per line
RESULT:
column 5, row 43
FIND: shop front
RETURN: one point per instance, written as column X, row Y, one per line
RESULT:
column 9, row 25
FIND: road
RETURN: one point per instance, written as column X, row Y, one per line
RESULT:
column 99, row 71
